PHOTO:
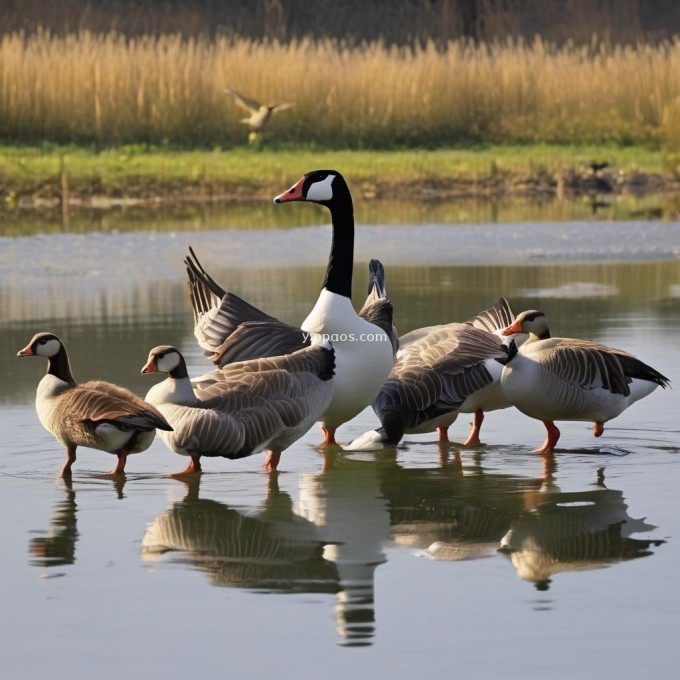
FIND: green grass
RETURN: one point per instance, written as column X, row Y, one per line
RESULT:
column 252, row 173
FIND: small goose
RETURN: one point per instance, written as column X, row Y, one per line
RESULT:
column 568, row 379
column 243, row 408
column 229, row 329
column 95, row 414
column 259, row 113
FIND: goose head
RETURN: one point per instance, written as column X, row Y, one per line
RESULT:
column 52, row 348
column 166, row 359
column 533, row 322
column 42, row 345
column 326, row 187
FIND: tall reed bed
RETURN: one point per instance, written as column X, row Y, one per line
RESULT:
column 113, row 90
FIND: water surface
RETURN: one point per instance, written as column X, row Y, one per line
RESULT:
column 480, row 562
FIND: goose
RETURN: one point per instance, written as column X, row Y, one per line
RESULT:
column 243, row 408
column 442, row 371
column 95, row 414
column 259, row 114
column 229, row 329
column 571, row 379
column 431, row 379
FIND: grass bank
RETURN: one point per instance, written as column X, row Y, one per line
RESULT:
column 47, row 174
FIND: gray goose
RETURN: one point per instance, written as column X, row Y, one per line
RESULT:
column 571, row 379
column 94, row 414
column 441, row 371
column 243, row 408
column 259, row 114
column 229, row 329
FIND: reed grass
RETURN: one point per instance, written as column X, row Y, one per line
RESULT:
column 112, row 90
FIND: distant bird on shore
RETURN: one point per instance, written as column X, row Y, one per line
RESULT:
column 259, row 113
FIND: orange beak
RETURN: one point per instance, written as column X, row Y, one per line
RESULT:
column 293, row 194
column 513, row 328
column 26, row 352
column 150, row 366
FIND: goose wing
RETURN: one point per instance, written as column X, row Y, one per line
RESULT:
column 495, row 318
column 258, row 339
column 587, row 365
column 245, row 103
column 88, row 405
column 436, row 374
column 218, row 314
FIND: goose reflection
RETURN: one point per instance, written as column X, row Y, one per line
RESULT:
column 58, row 547
column 364, row 504
column 347, row 505
column 574, row 531
column 455, row 512
column 273, row 551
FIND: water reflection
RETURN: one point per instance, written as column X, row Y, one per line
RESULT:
column 573, row 531
column 58, row 546
column 275, row 550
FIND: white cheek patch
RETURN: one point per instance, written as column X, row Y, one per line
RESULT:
column 167, row 362
column 321, row 191
column 49, row 349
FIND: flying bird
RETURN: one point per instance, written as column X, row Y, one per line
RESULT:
column 259, row 113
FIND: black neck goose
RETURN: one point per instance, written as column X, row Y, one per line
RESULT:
column 229, row 329
column 95, row 414
column 570, row 379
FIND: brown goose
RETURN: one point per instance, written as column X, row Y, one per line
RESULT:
column 259, row 114
column 570, row 379
column 243, row 408
column 95, row 414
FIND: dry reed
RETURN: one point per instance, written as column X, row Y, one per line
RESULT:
column 112, row 90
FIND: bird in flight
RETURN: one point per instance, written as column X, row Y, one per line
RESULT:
column 259, row 113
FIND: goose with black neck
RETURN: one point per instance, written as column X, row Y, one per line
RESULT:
column 364, row 352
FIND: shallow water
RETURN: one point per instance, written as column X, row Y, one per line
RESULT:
column 345, row 564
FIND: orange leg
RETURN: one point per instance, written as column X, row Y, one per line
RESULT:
column 70, row 459
column 191, row 469
column 598, row 429
column 271, row 461
column 328, row 436
column 551, row 439
column 473, row 439
column 122, row 459
column 443, row 435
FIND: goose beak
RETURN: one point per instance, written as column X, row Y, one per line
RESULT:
column 150, row 366
column 26, row 352
column 513, row 328
column 293, row 194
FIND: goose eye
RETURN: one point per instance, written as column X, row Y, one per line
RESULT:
column 42, row 341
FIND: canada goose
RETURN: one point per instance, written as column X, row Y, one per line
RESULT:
column 259, row 113
column 243, row 408
column 95, row 414
column 568, row 379
column 441, row 371
column 229, row 329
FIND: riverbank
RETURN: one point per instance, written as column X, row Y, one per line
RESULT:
column 75, row 176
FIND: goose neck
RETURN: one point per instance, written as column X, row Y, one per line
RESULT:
column 341, row 259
